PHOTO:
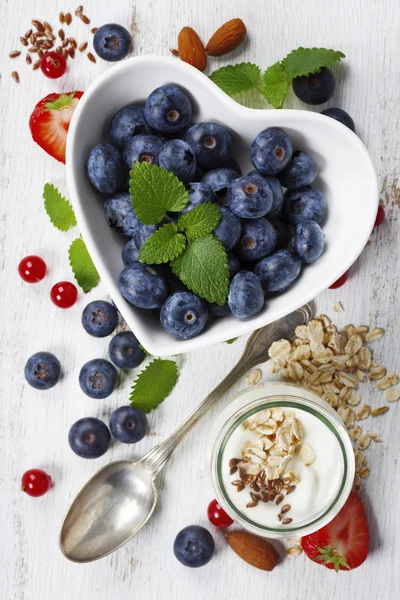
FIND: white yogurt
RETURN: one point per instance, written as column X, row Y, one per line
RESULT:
column 319, row 482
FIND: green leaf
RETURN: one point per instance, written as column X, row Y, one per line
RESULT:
column 200, row 221
column 304, row 61
column 154, row 191
column 234, row 79
column 61, row 102
column 154, row 384
column 59, row 210
column 275, row 85
column 82, row 265
column 203, row 268
column 231, row 341
column 164, row 245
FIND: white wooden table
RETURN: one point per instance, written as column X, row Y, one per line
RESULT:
column 34, row 426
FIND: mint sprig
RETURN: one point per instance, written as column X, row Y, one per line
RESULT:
column 164, row 245
column 234, row 79
column 59, row 210
column 276, row 83
column 154, row 384
column 304, row 61
column 82, row 265
column 200, row 221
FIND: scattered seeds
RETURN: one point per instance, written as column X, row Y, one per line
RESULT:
column 285, row 508
column 84, row 19
column 73, row 43
column 40, row 53
column 68, row 19
column 38, row 24
column 23, row 41
column 338, row 307
column 79, row 11
column 286, row 521
column 83, row 47
column 61, row 34
column 15, row 76
column 28, row 33
column 47, row 27
column 28, row 59
column 14, row 54
column 381, row 410
column 36, row 65
column 93, row 30
column 91, row 57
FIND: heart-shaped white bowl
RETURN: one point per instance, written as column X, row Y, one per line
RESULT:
column 346, row 176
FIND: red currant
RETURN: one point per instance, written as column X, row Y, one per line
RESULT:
column 32, row 269
column 35, row 482
column 53, row 65
column 64, row 294
column 217, row 516
column 341, row 281
column 380, row 216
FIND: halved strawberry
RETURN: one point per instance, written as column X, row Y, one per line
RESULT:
column 50, row 120
column 343, row 543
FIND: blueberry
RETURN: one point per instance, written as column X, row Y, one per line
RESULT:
column 142, row 148
column 199, row 193
column 125, row 351
column 246, row 296
column 99, row 318
column 277, row 195
column 304, row 204
column 142, row 286
column 177, row 156
column 233, row 264
column 270, row 151
column 250, row 197
column 119, row 213
column 211, row 143
column 300, row 171
column 217, row 311
column 228, row 229
column 89, row 438
column 258, row 239
column 340, row 115
column 42, row 370
column 183, row 315
column 105, row 168
column 112, row 42
column 278, row 271
column 283, row 233
column 168, row 109
column 98, row 378
column 308, row 241
column 220, row 181
column 316, row 88
column 130, row 253
column 127, row 123
column 194, row 546
column 128, row 424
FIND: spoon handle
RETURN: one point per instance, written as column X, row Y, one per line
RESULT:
column 255, row 352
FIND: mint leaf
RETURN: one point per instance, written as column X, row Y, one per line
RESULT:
column 59, row 210
column 234, row 79
column 82, row 265
column 275, row 85
column 164, row 245
column 203, row 268
column 231, row 341
column 200, row 221
column 304, row 61
column 154, row 191
column 154, row 384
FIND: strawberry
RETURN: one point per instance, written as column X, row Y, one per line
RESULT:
column 343, row 543
column 50, row 120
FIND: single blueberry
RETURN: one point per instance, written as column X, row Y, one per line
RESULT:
column 125, row 351
column 142, row 286
column 278, row 271
column 42, row 370
column 220, row 181
column 316, row 88
column 233, row 264
column 99, row 318
column 210, row 142
column 112, row 42
column 130, row 253
column 98, row 378
column 308, row 241
column 105, row 168
column 128, row 424
column 142, row 148
column 89, row 438
column 127, row 123
column 168, row 109
column 258, row 239
column 183, row 315
column 304, row 204
column 300, row 171
column 194, row 546
column 250, row 197
column 119, row 213
column 198, row 193
column 228, row 229
column 340, row 115
column 283, row 232
column 246, row 296
column 217, row 311
column 177, row 156
column 270, row 151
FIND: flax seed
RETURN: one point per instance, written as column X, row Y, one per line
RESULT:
column 83, row 47
column 240, row 487
column 28, row 34
column 33, row 39
column 50, row 36
column 61, row 34
column 91, row 57
column 28, row 59
column 65, row 53
column 84, row 19
column 279, row 499
column 232, row 470
column 68, row 18
column 59, row 49
column 79, row 11
column 234, row 461
column 47, row 26
column 47, row 44
column 33, row 49
column 15, row 76
column 285, row 508
column 73, row 43
column 65, row 43
column 286, row 521
column 174, row 52
column 291, row 489
column 14, row 54
column 251, row 504
column 38, row 24
column 93, row 30
column 36, row 65
column 23, row 41
column 40, row 53
column 61, row 17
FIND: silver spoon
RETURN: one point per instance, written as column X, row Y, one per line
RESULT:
column 120, row 498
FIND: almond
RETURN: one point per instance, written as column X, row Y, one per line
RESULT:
column 227, row 38
column 256, row 551
column 191, row 49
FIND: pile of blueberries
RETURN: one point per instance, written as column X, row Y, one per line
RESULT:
column 267, row 233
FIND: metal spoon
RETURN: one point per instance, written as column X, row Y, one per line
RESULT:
column 120, row 498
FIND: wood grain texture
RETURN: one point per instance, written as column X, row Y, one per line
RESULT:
column 33, row 426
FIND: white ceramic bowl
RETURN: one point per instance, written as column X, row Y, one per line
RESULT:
column 346, row 176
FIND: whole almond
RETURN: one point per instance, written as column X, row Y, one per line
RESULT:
column 227, row 38
column 256, row 551
column 191, row 49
